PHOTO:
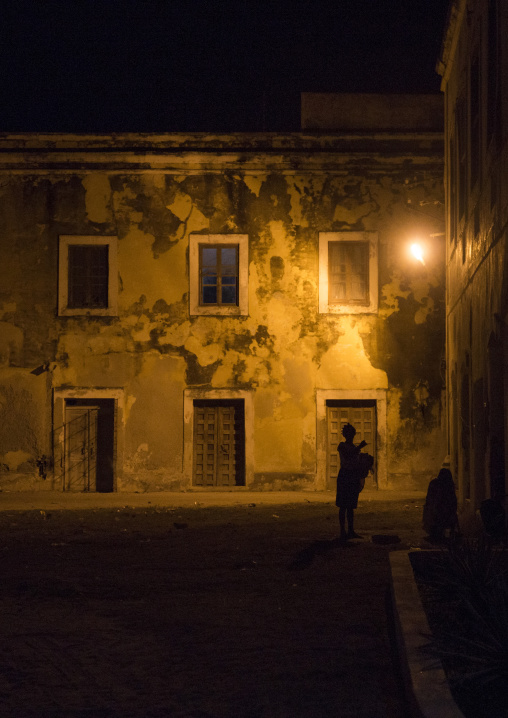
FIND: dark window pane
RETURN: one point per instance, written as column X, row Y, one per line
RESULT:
column 357, row 289
column 338, row 292
column 209, row 256
column 228, row 256
column 228, row 295
column 88, row 273
column 210, row 279
column 209, row 295
column 228, row 271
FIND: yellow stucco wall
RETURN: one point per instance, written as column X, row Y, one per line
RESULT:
column 283, row 352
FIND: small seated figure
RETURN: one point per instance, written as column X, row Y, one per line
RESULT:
column 493, row 516
column 440, row 510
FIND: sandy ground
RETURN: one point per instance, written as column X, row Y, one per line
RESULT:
column 249, row 609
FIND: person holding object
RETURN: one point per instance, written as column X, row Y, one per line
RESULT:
column 350, row 481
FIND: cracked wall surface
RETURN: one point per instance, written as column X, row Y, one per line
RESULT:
column 283, row 351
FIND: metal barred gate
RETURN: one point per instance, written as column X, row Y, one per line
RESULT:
column 75, row 445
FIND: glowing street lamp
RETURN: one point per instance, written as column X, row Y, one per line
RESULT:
column 417, row 252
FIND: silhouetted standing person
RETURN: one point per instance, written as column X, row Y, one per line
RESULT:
column 348, row 481
column 440, row 510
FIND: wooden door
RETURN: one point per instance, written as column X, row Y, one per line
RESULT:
column 215, row 444
column 362, row 415
column 80, row 448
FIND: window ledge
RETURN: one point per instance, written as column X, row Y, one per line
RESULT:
column 67, row 312
column 348, row 309
column 216, row 310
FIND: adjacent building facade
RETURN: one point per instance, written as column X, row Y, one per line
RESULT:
column 474, row 69
column 206, row 311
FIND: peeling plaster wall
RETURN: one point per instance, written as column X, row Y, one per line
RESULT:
column 282, row 352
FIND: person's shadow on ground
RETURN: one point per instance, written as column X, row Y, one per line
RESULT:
column 306, row 556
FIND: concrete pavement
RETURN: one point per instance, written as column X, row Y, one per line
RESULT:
column 57, row 500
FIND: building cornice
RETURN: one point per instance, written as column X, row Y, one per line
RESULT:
column 201, row 152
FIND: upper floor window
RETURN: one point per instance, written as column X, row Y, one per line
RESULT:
column 88, row 277
column 348, row 272
column 218, row 265
column 218, row 270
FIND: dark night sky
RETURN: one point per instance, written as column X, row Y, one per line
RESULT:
column 106, row 65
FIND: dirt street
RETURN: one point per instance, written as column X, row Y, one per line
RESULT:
column 224, row 612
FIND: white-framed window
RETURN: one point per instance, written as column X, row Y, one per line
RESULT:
column 348, row 272
column 219, row 271
column 87, row 276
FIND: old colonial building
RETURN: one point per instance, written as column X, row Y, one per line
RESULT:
column 188, row 311
column 474, row 69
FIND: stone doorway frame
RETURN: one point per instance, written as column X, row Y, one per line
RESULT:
column 189, row 395
column 118, row 396
column 324, row 395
